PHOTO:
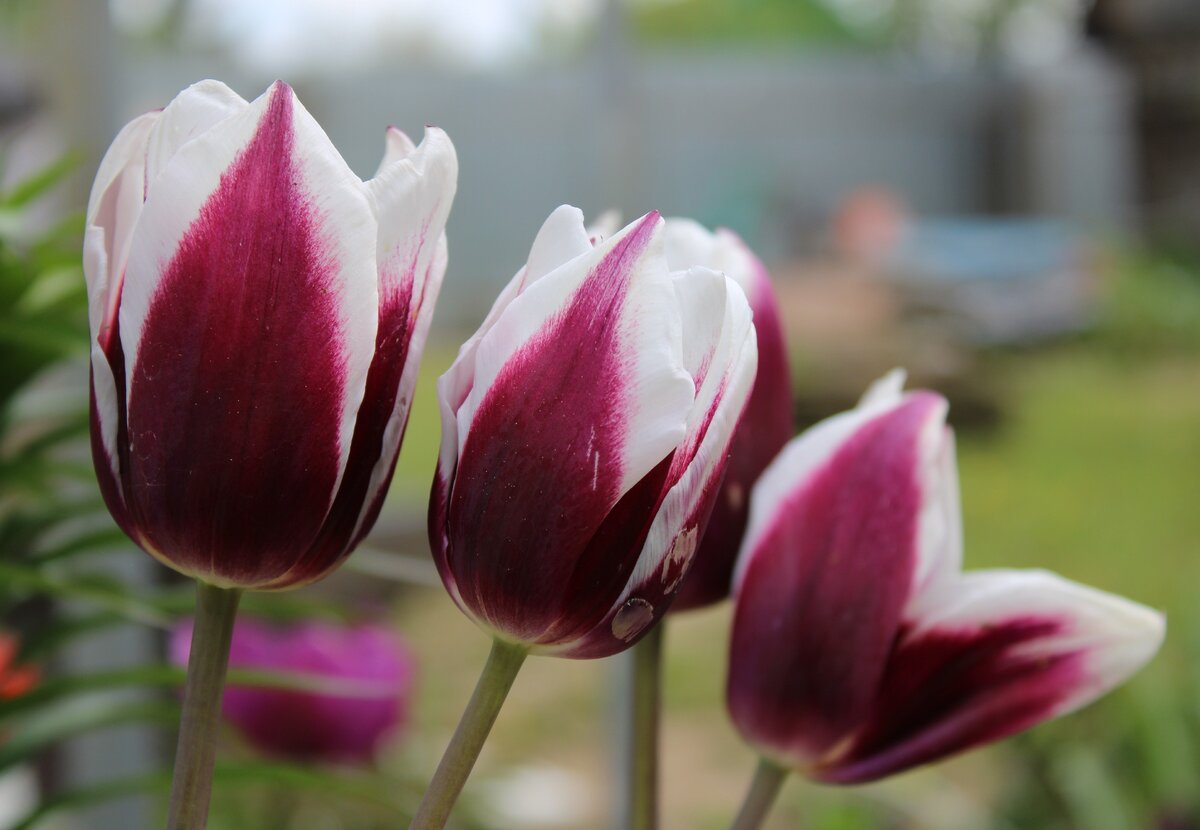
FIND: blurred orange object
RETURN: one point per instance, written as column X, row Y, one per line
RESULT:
column 869, row 224
column 15, row 680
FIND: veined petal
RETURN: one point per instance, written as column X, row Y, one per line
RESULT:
column 579, row 392
column 1001, row 651
column 720, row 352
column 824, row 577
column 411, row 199
column 255, row 226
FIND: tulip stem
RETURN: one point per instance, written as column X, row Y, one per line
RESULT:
column 645, row 705
column 768, row 780
column 212, row 633
column 497, row 678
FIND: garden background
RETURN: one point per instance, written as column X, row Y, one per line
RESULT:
column 1003, row 195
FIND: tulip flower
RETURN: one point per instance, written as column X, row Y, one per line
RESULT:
column 859, row 648
column 257, row 315
column 585, row 428
column 766, row 424
column 362, row 678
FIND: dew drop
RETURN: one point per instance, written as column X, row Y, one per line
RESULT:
column 632, row 619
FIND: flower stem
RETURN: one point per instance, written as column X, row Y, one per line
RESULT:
column 497, row 678
column 212, row 632
column 642, row 764
column 768, row 780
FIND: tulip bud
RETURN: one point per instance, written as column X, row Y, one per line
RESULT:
column 368, row 669
column 585, row 428
column 766, row 424
column 257, row 313
column 860, row 649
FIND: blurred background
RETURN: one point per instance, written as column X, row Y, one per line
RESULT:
column 1001, row 195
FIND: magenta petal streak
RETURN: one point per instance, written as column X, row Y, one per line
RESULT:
column 243, row 319
column 828, row 585
column 947, row 691
column 540, row 470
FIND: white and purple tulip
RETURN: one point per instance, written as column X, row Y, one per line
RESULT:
column 585, row 430
column 860, row 649
column 257, row 313
column 766, row 424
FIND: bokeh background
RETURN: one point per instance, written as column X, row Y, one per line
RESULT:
column 1001, row 195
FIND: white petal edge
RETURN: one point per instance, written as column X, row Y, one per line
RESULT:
column 801, row 457
column 114, row 205
column 193, row 111
column 397, row 146
column 734, row 364
column 455, row 385
column 176, row 197
column 1116, row 635
column 411, row 199
column 104, row 388
column 650, row 336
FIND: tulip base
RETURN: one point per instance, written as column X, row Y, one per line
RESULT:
column 208, row 661
column 764, row 789
column 499, row 672
column 645, row 704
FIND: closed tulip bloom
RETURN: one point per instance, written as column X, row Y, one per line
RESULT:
column 257, row 313
column 860, row 649
column 766, row 424
column 367, row 670
column 585, row 429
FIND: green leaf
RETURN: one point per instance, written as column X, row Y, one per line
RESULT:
column 103, row 593
column 39, row 183
column 41, row 730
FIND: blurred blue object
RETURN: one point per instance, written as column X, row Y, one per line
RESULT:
column 999, row 280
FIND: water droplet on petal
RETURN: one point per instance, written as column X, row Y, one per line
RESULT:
column 632, row 619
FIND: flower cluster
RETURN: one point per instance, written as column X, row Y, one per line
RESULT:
column 615, row 443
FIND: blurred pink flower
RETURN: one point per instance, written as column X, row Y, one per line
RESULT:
column 368, row 668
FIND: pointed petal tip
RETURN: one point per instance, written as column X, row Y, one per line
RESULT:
column 886, row 389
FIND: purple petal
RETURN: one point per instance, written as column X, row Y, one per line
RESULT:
column 826, row 577
column 245, row 370
column 1004, row 651
column 412, row 200
column 541, row 465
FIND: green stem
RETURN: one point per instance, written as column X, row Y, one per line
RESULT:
column 642, row 764
column 212, row 632
column 497, row 678
column 768, row 780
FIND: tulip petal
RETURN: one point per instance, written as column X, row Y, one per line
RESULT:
column 1003, row 650
column 766, row 424
column 193, row 111
column 556, row 243
column 397, row 146
column 254, row 226
column 578, row 393
column 717, row 333
column 825, row 574
column 113, row 209
column 411, row 199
